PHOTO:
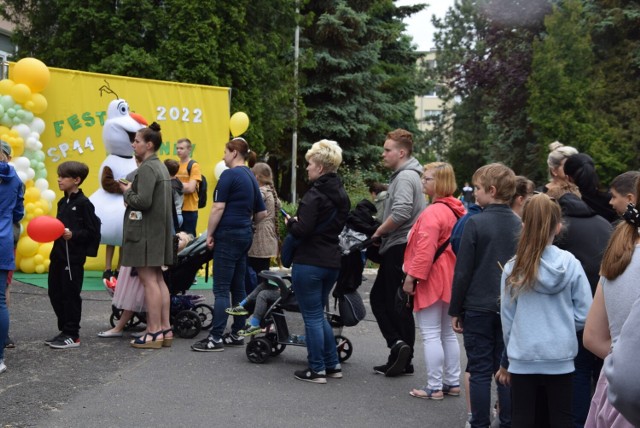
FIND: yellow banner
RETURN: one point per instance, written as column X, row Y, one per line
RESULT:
column 77, row 110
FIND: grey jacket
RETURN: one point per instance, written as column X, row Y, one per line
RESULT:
column 622, row 369
column 405, row 202
column 148, row 238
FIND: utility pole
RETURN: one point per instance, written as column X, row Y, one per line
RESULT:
column 294, row 138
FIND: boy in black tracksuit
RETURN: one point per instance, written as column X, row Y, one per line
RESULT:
column 69, row 253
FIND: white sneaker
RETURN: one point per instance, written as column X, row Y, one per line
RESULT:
column 3, row 367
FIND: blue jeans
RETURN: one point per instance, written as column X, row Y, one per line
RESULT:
column 585, row 363
column 4, row 312
column 484, row 345
column 229, row 266
column 312, row 285
column 189, row 221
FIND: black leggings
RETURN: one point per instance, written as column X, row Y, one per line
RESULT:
column 524, row 391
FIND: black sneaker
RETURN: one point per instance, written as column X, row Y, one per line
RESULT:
column 408, row 370
column 334, row 373
column 9, row 343
column 231, row 339
column 309, row 375
column 208, row 345
column 65, row 342
column 107, row 274
column 400, row 355
column 53, row 339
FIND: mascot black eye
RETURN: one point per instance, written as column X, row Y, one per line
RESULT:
column 123, row 109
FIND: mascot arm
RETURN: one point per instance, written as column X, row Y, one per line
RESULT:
column 109, row 184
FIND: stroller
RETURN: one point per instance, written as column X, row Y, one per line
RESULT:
column 189, row 314
column 283, row 323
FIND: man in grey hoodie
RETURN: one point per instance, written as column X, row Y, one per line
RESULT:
column 401, row 209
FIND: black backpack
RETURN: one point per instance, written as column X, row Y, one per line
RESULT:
column 201, row 188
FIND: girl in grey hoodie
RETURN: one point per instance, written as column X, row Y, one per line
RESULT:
column 545, row 297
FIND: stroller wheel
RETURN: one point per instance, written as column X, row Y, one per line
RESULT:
column 187, row 324
column 276, row 348
column 344, row 348
column 258, row 350
column 205, row 312
column 136, row 319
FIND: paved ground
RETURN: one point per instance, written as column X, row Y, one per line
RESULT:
column 107, row 383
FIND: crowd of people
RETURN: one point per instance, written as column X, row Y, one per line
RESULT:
column 540, row 283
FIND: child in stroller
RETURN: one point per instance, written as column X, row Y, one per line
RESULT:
column 263, row 296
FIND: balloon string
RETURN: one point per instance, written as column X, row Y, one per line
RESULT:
column 66, row 243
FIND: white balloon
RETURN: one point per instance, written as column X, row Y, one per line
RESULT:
column 219, row 168
column 23, row 130
column 48, row 195
column 38, row 145
column 31, row 173
column 22, row 163
column 22, row 175
column 35, row 135
column 37, row 125
column 31, row 143
column 42, row 184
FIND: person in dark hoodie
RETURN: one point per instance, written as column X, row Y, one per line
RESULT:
column 69, row 252
column 585, row 235
column 316, row 262
column 581, row 171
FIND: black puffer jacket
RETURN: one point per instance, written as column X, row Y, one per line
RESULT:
column 320, row 249
column 585, row 235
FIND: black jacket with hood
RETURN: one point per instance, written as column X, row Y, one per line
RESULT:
column 317, row 205
column 585, row 235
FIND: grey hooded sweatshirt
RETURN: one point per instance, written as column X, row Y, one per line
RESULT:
column 405, row 202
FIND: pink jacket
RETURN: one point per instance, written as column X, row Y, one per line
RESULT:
column 431, row 230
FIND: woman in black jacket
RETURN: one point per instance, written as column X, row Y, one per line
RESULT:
column 322, row 213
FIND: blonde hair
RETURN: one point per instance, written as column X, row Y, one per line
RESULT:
column 540, row 218
column 327, row 153
column 499, row 176
column 620, row 248
column 557, row 153
column 445, row 179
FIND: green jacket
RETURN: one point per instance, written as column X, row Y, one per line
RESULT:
column 148, row 237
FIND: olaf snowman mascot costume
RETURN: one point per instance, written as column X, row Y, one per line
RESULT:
column 118, row 132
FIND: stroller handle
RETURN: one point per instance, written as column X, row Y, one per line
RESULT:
column 366, row 244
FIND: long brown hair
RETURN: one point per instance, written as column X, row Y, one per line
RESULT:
column 540, row 217
column 620, row 248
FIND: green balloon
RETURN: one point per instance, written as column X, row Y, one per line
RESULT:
column 11, row 112
column 41, row 173
column 29, row 154
column 28, row 116
column 6, row 120
column 40, row 156
column 6, row 101
column 1, row 110
column 33, row 163
column 41, row 165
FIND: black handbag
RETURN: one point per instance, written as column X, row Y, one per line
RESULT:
column 351, row 308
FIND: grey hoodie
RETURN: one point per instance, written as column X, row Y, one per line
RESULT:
column 405, row 202
column 539, row 326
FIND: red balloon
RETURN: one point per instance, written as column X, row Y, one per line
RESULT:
column 45, row 229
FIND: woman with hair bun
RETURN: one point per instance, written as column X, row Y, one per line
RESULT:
column 558, row 154
column 237, row 203
column 148, row 234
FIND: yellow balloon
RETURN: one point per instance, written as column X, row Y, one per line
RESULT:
column 32, row 72
column 38, row 212
column 47, row 262
column 40, row 268
column 32, row 194
column 29, row 183
column 17, row 147
column 238, row 123
column 45, row 250
column 5, row 86
column 38, row 259
column 27, row 247
column 20, row 93
column 29, row 207
column 28, row 265
column 38, row 104
column 3, row 129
